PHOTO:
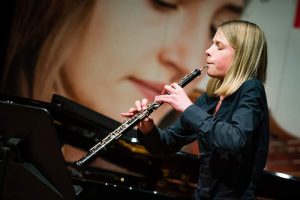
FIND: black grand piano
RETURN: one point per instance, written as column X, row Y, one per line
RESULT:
column 32, row 165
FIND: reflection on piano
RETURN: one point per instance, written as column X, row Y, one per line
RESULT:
column 142, row 176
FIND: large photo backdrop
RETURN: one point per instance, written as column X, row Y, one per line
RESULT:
column 107, row 54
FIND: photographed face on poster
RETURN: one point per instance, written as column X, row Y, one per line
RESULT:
column 130, row 49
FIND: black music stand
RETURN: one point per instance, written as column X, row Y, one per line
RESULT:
column 32, row 163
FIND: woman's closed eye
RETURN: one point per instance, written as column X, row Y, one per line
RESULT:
column 165, row 4
column 219, row 45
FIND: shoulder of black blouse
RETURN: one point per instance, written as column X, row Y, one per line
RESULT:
column 252, row 83
column 249, row 85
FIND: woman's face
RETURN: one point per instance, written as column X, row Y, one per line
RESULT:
column 132, row 48
column 219, row 56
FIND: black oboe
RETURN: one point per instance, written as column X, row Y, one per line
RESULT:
column 130, row 123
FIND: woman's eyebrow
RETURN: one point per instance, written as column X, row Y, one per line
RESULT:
column 217, row 42
column 238, row 9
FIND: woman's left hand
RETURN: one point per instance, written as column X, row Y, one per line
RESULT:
column 175, row 96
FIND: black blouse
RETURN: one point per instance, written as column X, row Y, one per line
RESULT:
column 233, row 143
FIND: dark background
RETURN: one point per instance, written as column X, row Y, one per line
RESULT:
column 7, row 10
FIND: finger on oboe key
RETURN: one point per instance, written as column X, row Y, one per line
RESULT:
column 144, row 103
column 138, row 105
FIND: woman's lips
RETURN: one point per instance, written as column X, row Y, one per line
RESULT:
column 149, row 89
column 209, row 64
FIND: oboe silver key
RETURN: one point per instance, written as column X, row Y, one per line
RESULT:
column 130, row 123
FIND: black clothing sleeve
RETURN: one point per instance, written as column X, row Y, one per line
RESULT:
column 230, row 130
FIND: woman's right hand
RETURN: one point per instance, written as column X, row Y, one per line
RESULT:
column 147, row 124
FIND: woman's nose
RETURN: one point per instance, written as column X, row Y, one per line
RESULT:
column 184, row 45
column 207, row 52
column 173, row 57
column 183, row 54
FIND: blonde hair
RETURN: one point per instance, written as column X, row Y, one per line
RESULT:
column 250, row 60
column 58, row 46
column 40, row 38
